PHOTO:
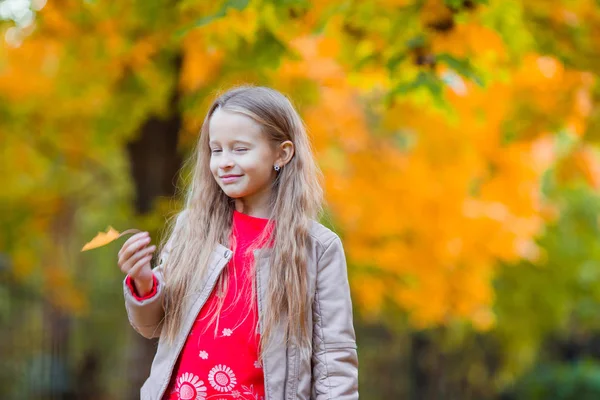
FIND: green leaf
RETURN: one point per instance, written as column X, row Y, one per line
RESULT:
column 370, row 59
column 462, row 67
column 266, row 52
column 207, row 19
column 291, row 3
column 394, row 61
column 455, row 4
column 423, row 79
column 236, row 4
column 416, row 41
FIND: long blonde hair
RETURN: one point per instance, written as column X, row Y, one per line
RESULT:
column 296, row 199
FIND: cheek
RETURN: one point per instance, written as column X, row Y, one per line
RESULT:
column 257, row 169
column 213, row 167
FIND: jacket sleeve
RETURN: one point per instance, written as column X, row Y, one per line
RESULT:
column 146, row 315
column 334, row 356
column 133, row 290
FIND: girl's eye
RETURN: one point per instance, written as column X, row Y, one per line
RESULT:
column 218, row 151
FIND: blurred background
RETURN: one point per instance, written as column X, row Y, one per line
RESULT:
column 459, row 141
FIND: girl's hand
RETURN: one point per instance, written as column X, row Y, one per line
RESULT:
column 134, row 260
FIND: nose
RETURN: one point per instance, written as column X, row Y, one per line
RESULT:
column 225, row 161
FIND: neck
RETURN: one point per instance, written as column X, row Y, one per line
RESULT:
column 244, row 208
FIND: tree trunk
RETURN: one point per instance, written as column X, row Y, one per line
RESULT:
column 154, row 165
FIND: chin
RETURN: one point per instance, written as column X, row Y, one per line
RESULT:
column 234, row 194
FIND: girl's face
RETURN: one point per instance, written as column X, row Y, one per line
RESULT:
column 242, row 160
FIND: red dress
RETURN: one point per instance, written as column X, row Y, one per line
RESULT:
column 224, row 365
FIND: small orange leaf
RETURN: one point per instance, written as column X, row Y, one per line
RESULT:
column 104, row 238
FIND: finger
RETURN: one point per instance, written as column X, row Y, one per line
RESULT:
column 139, row 265
column 128, row 264
column 134, row 247
column 134, row 238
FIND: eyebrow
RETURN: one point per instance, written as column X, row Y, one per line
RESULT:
column 212, row 142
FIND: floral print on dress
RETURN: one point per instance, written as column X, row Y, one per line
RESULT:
column 190, row 387
column 222, row 378
column 227, row 332
column 223, row 354
column 249, row 390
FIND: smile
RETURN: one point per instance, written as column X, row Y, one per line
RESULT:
column 230, row 179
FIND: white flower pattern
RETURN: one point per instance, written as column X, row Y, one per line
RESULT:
column 190, row 387
column 227, row 332
column 249, row 390
column 222, row 378
column 214, row 367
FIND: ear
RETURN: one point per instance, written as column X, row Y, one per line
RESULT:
column 285, row 153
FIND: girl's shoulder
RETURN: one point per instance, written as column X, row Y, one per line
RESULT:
column 322, row 236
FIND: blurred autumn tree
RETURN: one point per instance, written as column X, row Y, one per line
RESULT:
column 435, row 122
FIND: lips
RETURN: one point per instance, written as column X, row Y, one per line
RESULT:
column 230, row 178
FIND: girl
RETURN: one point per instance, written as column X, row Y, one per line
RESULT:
column 250, row 299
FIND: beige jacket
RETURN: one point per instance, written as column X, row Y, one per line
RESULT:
column 332, row 371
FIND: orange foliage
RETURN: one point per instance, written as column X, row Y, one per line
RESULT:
column 29, row 70
column 201, row 62
column 428, row 199
column 440, row 214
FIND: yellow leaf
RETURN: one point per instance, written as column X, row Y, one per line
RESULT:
column 103, row 238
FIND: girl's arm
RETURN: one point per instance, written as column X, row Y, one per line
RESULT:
column 146, row 314
column 334, row 357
